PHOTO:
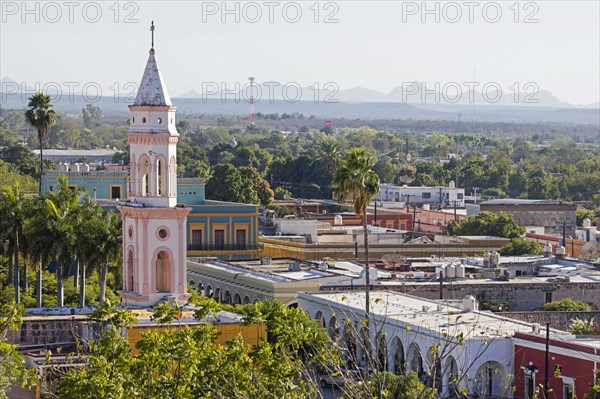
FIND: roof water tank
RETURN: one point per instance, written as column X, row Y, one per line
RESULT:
column 338, row 220
column 451, row 270
column 425, row 207
column 587, row 223
column 470, row 304
column 452, row 184
column 460, row 271
column 560, row 250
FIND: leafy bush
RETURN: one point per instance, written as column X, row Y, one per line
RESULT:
column 520, row 246
column 566, row 304
column 584, row 327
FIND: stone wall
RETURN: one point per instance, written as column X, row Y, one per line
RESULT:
column 520, row 296
column 44, row 330
column 558, row 320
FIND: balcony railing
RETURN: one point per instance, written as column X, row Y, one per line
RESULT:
column 223, row 247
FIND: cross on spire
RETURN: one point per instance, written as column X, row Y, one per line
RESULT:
column 152, row 30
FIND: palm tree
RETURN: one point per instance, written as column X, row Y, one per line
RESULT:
column 109, row 249
column 355, row 180
column 329, row 154
column 15, row 208
column 92, row 240
column 40, row 243
column 40, row 115
column 61, row 208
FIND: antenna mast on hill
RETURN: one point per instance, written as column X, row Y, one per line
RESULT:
column 251, row 116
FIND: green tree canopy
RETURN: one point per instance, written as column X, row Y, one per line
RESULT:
column 566, row 304
column 486, row 224
column 521, row 246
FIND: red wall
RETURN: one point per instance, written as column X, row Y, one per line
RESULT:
column 577, row 363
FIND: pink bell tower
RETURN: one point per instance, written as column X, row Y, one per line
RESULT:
column 154, row 226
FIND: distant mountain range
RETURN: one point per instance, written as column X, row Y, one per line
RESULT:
column 357, row 103
column 414, row 93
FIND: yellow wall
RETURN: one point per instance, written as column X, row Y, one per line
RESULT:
column 227, row 331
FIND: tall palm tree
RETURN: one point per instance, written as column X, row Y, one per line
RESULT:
column 89, row 228
column 62, row 207
column 40, row 115
column 109, row 249
column 15, row 208
column 329, row 154
column 355, row 180
column 40, row 243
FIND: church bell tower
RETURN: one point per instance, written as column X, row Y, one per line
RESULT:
column 154, row 226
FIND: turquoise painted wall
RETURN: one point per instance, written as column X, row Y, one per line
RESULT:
column 190, row 191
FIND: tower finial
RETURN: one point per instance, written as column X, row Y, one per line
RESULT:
column 152, row 30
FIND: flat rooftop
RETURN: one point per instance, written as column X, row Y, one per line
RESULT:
column 424, row 313
column 281, row 270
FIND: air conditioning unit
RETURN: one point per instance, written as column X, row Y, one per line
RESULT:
column 294, row 267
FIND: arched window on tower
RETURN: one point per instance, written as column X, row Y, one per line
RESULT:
column 159, row 177
column 173, row 176
column 144, row 176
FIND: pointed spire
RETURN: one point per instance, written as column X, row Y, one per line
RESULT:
column 152, row 90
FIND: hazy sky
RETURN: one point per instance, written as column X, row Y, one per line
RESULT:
column 373, row 44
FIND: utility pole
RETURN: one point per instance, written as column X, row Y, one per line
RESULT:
column 454, row 203
column 408, row 201
column 414, row 216
column 564, row 235
column 546, row 371
column 441, row 285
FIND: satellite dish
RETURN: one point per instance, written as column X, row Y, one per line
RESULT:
column 587, row 251
column 393, row 260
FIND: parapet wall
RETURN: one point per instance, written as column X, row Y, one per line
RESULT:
column 558, row 320
column 520, row 296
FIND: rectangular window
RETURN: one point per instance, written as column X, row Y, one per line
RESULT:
column 196, row 239
column 529, row 387
column 460, row 196
column 519, row 273
column 219, row 239
column 548, row 297
column 115, row 192
column 426, row 195
column 568, row 391
column 240, row 239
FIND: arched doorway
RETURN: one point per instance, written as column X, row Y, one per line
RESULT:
column 237, row 299
column 333, row 330
column 351, row 347
column 450, row 379
column 381, row 352
column 415, row 361
column 399, row 362
column 246, row 300
column 320, row 319
column 434, row 364
column 200, row 287
column 163, row 267
column 217, row 296
column 209, row 291
column 227, row 297
column 490, row 379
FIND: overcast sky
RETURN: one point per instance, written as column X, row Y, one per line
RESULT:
column 372, row 44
